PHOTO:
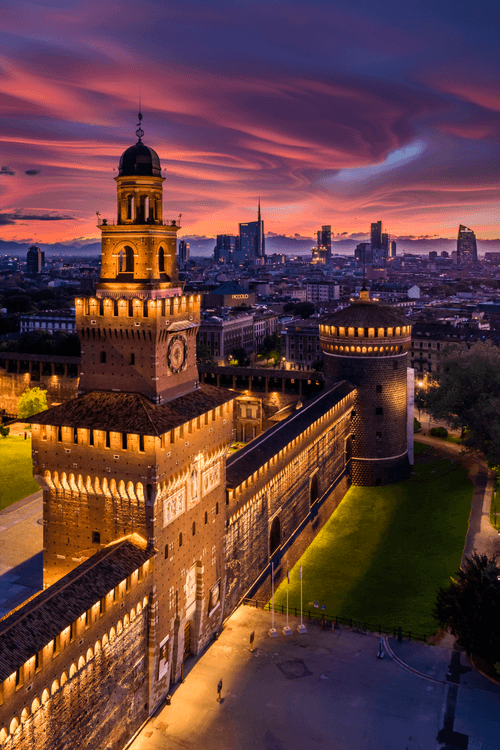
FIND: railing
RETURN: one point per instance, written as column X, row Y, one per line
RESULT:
column 326, row 620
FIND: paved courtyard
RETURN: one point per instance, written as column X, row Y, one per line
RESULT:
column 324, row 690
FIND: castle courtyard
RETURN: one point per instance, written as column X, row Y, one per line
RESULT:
column 324, row 690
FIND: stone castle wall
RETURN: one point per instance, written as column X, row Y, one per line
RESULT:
column 90, row 688
column 18, row 372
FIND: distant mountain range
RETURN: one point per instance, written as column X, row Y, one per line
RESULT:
column 204, row 246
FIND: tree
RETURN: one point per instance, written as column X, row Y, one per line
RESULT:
column 204, row 354
column 4, row 430
column 470, row 607
column 420, row 400
column 31, row 402
column 239, row 357
column 468, row 396
column 272, row 347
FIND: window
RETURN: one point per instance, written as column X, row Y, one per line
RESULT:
column 378, row 435
column 75, row 435
column 72, row 631
column 166, row 551
column 180, row 539
column 378, row 389
column 132, row 359
column 102, row 358
column 102, row 605
column 124, row 441
column 216, row 509
column 88, row 618
column 19, row 677
column 108, row 440
column 379, row 411
column 206, row 517
column 96, row 537
column 91, row 437
column 141, row 443
column 194, row 528
column 59, row 434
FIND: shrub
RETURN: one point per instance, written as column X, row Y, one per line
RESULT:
column 439, row 432
column 416, row 425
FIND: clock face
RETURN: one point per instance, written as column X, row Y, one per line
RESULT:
column 177, row 353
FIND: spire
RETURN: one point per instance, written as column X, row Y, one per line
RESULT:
column 139, row 132
column 258, row 214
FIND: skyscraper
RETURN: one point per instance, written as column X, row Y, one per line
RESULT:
column 376, row 235
column 324, row 244
column 252, row 240
column 466, row 247
column 183, row 251
column 227, row 245
column 35, row 260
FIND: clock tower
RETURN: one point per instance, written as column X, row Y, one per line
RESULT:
column 138, row 333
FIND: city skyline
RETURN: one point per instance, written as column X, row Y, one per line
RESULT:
column 294, row 103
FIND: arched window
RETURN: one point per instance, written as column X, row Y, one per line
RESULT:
column 275, row 535
column 130, row 207
column 161, row 260
column 126, row 260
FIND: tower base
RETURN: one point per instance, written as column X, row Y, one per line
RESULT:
column 370, row 473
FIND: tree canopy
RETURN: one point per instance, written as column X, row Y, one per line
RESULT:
column 240, row 357
column 31, row 402
column 468, row 396
column 470, row 607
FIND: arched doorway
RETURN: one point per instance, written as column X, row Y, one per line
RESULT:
column 161, row 260
column 275, row 536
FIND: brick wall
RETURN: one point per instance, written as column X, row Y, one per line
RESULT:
column 90, row 692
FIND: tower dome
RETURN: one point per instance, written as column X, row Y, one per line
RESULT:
column 139, row 160
column 367, row 344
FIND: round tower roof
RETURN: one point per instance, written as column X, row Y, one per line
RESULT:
column 139, row 160
column 367, row 314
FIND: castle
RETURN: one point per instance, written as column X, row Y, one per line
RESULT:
column 152, row 533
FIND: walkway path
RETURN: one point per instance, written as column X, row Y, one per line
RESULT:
column 21, row 541
column 481, row 536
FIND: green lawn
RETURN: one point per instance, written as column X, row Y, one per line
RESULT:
column 386, row 550
column 16, row 474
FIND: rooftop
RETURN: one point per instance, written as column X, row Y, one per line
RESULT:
column 27, row 630
column 246, row 461
column 131, row 412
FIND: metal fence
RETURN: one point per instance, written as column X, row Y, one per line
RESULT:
column 326, row 620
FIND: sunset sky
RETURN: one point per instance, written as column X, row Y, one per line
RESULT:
column 336, row 113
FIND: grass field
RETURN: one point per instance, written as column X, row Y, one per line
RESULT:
column 16, row 476
column 386, row 550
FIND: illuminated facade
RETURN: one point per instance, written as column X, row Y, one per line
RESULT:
column 466, row 247
column 152, row 532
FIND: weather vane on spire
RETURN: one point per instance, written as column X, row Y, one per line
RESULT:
column 139, row 132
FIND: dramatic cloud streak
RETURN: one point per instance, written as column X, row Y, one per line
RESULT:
column 332, row 114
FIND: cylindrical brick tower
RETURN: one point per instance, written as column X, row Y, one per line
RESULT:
column 367, row 344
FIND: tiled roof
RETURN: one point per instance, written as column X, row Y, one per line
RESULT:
column 246, row 461
column 366, row 313
column 27, row 630
column 131, row 412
